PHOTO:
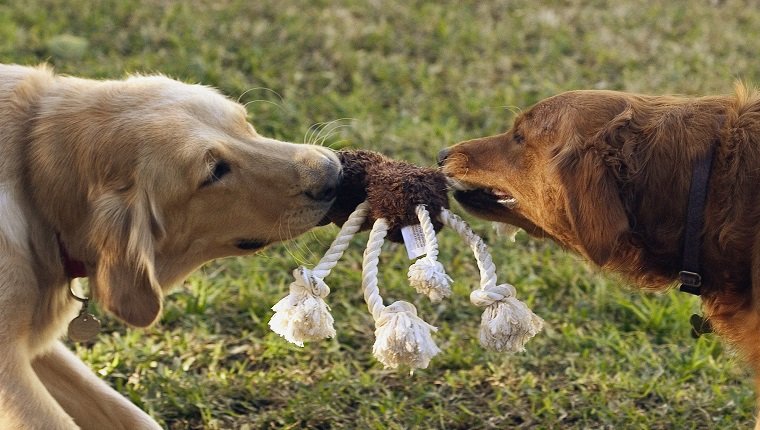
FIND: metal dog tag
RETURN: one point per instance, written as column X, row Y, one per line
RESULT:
column 84, row 327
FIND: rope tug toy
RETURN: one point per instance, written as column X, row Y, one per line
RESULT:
column 400, row 200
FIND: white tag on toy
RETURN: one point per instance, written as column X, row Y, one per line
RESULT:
column 414, row 240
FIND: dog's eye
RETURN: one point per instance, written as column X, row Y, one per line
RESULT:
column 219, row 169
column 518, row 138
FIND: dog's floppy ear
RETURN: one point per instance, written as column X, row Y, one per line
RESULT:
column 592, row 195
column 123, row 231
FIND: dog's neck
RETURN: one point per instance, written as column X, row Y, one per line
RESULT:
column 690, row 275
column 71, row 267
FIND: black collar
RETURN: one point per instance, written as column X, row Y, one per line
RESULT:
column 690, row 277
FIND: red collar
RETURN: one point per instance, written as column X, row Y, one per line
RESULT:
column 72, row 268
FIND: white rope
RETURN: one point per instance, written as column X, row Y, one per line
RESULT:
column 401, row 337
column 479, row 248
column 369, row 267
column 431, row 242
column 303, row 315
column 341, row 242
column 507, row 323
column 427, row 274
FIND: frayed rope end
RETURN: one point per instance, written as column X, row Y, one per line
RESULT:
column 303, row 315
column 507, row 323
column 402, row 338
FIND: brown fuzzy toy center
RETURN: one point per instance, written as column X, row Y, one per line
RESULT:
column 393, row 189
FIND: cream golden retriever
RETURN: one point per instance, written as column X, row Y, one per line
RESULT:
column 142, row 181
column 608, row 175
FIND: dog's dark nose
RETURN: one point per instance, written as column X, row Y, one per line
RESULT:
column 323, row 194
column 320, row 173
column 442, row 156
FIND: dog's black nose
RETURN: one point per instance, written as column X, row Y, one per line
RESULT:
column 324, row 194
column 320, row 173
column 442, row 156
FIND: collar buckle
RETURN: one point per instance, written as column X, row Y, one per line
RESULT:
column 691, row 282
column 690, row 279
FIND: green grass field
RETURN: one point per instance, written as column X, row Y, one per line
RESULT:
column 408, row 78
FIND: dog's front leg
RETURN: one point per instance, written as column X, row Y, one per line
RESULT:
column 87, row 398
column 24, row 401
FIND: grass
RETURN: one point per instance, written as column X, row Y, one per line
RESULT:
column 408, row 78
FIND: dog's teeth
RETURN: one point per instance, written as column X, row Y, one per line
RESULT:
column 509, row 202
column 499, row 193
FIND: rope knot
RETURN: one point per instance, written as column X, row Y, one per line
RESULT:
column 507, row 323
column 492, row 294
column 303, row 314
column 428, row 277
column 402, row 338
column 305, row 280
column 394, row 308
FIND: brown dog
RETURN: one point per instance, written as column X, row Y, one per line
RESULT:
column 608, row 174
column 140, row 181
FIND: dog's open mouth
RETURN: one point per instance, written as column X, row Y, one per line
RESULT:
column 482, row 199
column 494, row 205
column 485, row 199
column 250, row 244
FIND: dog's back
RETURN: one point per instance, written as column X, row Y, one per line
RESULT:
column 19, row 88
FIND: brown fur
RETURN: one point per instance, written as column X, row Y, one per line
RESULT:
column 607, row 174
column 393, row 189
column 121, row 171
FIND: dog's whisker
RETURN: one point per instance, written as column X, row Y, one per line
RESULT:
column 332, row 132
column 314, row 130
column 294, row 248
column 265, row 101
column 283, row 234
column 458, row 185
column 310, row 254
column 310, row 131
column 515, row 110
column 261, row 88
column 328, row 129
